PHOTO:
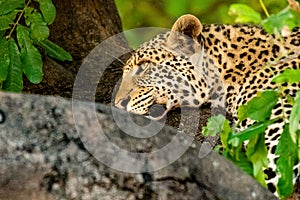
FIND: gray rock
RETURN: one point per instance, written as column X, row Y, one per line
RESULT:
column 52, row 148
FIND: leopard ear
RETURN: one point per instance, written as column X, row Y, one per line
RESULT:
column 187, row 27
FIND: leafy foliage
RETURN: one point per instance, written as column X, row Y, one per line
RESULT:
column 245, row 148
column 30, row 56
column 294, row 120
column 260, row 108
column 252, row 155
column 244, row 13
column 4, row 59
column 54, row 50
column 289, row 75
column 250, row 132
column 254, row 159
column 274, row 23
column 48, row 10
column 14, row 81
column 277, row 22
column 287, row 151
column 19, row 41
column 7, row 19
column 167, row 11
column 257, row 153
column 214, row 125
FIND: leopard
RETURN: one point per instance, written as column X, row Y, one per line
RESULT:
column 196, row 63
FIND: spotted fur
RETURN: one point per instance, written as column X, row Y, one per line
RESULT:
column 195, row 63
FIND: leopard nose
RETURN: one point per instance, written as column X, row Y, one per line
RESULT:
column 122, row 103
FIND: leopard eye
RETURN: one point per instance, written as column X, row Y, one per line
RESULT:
column 139, row 70
column 141, row 67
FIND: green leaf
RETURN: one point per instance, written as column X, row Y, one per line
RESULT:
column 22, row 35
column 214, row 125
column 4, row 59
column 288, row 75
column 27, row 15
column 259, row 108
column 238, row 157
column 30, row 56
column 250, row 132
column 2, row 33
column 276, row 22
column 218, row 124
column 6, row 20
column 287, row 151
column 38, row 27
column 7, row 6
column 244, row 13
column 55, row 51
column 257, row 153
column 33, row 64
column 48, row 10
column 225, row 134
column 243, row 163
column 295, row 117
column 14, row 81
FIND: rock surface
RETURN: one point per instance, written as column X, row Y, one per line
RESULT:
column 53, row 148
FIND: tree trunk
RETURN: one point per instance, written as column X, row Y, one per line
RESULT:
column 79, row 27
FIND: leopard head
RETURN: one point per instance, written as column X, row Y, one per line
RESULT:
column 167, row 70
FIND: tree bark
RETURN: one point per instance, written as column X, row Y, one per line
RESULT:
column 79, row 27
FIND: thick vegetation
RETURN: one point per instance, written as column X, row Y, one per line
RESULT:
column 277, row 17
column 24, row 35
column 252, row 157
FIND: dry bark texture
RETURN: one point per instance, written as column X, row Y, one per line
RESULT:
column 79, row 27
